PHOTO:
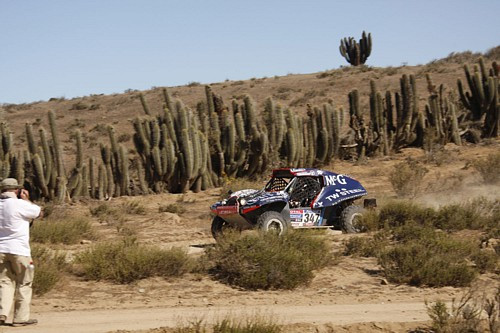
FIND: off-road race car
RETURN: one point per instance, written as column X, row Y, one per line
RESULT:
column 294, row 198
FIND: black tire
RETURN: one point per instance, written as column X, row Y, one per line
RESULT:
column 350, row 219
column 218, row 226
column 274, row 222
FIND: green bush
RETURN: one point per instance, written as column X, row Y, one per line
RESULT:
column 49, row 268
column 127, row 261
column 267, row 261
column 62, row 229
column 425, row 257
column 397, row 213
column 488, row 168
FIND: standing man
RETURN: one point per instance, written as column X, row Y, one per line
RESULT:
column 16, row 267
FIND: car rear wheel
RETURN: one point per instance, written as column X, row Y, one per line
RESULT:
column 273, row 222
column 218, row 226
column 351, row 219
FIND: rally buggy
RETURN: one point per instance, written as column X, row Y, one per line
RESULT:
column 294, row 198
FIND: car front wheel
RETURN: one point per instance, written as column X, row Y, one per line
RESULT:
column 273, row 222
column 218, row 226
column 351, row 219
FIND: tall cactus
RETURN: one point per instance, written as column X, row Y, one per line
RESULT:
column 356, row 53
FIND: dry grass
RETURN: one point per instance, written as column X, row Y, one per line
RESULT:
column 127, row 261
column 66, row 229
column 49, row 268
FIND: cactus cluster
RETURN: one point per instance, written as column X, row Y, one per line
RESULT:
column 396, row 121
column 183, row 150
column 483, row 98
column 356, row 53
column 442, row 116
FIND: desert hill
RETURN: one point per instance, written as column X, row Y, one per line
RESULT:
column 92, row 114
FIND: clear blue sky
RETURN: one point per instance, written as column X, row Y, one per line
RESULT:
column 69, row 48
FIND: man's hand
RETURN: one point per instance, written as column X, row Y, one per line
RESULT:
column 24, row 194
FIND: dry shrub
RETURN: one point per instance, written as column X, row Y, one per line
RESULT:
column 127, row 261
column 49, row 268
column 64, row 229
column 489, row 168
column 106, row 213
column 134, row 207
column 267, row 261
column 406, row 178
column 172, row 208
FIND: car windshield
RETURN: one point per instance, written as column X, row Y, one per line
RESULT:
column 291, row 185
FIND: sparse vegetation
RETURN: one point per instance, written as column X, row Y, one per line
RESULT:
column 244, row 324
column 127, row 261
column 267, row 261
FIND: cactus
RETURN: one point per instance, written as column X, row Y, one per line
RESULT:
column 144, row 105
column 60, row 181
column 92, row 178
column 356, row 53
column 102, row 182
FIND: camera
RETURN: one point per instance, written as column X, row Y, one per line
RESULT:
column 19, row 193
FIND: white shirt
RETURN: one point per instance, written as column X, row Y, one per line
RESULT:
column 15, row 217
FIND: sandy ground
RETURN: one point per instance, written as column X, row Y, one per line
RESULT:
column 295, row 316
column 351, row 296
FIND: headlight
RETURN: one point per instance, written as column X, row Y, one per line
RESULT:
column 243, row 202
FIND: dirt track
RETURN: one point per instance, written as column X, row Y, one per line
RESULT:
column 146, row 318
